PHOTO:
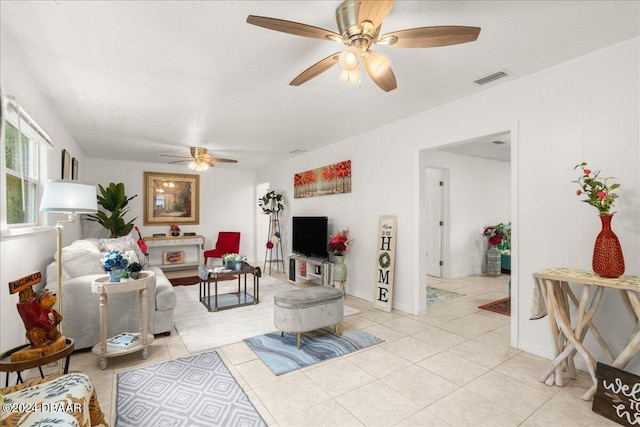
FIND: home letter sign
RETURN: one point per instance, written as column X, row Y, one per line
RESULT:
column 386, row 255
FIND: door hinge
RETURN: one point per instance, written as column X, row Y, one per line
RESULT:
column 441, row 183
column 441, row 223
column 441, row 263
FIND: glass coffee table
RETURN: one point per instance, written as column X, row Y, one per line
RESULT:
column 217, row 301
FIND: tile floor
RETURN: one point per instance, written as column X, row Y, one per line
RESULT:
column 453, row 367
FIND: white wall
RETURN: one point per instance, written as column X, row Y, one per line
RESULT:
column 22, row 255
column 582, row 110
column 227, row 198
column 479, row 193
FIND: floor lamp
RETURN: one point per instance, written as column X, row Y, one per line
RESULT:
column 70, row 198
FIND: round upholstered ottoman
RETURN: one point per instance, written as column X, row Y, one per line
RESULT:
column 307, row 309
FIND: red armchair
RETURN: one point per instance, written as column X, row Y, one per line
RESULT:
column 228, row 242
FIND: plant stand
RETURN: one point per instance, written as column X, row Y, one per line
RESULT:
column 270, row 257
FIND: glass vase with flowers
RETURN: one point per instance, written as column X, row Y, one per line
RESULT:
column 339, row 246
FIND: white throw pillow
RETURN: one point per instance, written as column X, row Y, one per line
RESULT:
column 81, row 258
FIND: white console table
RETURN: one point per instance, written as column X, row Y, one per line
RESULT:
column 190, row 246
column 302, row 269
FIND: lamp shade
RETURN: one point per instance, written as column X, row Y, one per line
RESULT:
column 69, row 196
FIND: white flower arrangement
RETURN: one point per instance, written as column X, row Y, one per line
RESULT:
column 233, row 258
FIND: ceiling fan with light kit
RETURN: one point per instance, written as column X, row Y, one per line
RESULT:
column 359, row 23
column 199, row 160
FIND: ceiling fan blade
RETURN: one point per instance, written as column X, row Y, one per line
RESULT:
column 179, row 161
column 217, row 159
column 295, row 28
column 316, row 69
column 380, row 71
column 374, row 11
column 179, row 157
column 433, row 36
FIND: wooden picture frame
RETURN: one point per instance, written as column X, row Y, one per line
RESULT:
column 74, row 169
column 172, row 257
column 66, row 164
column 171, row 198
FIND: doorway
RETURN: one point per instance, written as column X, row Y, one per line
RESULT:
column 469, row 201
column 262, row 223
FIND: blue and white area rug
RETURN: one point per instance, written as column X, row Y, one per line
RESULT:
column 281, row 354
column 436, row 295
column 193, row 391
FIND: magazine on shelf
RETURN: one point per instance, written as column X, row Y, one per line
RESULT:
column 124, row 340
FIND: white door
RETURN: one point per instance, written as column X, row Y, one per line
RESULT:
column 434, row 221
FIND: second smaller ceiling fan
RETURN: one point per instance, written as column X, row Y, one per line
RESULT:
column 199, row 160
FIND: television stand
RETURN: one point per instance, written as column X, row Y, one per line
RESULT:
column 309, row 269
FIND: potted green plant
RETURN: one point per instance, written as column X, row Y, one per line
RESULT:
column 134, row 270
column 114, row 201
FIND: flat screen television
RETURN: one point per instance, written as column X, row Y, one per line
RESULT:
column 310, row 236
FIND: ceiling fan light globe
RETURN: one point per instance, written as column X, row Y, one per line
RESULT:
column 349, row 58
column 192, row 165
column 351, row 76
column 377, row 63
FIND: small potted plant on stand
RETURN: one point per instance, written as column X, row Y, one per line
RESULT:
column 134, row 270
column 114, row 263
column 175, row 230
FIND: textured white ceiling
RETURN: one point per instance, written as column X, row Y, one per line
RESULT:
column 150, row 78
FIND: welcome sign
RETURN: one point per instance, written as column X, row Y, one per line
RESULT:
column 617, row 396
column 385, row 261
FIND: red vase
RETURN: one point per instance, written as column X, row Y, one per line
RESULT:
column 608, row 260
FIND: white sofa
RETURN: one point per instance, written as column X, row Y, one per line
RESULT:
column 81, row 264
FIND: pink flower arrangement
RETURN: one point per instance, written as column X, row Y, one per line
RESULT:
column 598, row 191
column 339, row 243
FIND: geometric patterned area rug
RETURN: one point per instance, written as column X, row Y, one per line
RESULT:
column 502, row 306
column 281, row 354
column 436, row 295
column 193, row 391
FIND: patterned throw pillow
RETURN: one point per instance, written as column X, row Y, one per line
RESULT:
column 124, row 244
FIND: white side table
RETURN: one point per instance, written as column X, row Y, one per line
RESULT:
column 103, row 287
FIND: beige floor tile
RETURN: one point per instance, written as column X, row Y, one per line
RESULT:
column 464, row 408
column 290, row 395
column 158, row 352
column 566, row 410
column 456, row 369
column 423, row 418
column 412, row 349
column 379, row 316
column 256, row 373
column 439, row 337
column 385, row 333
column 472, row 325
column 419, row 385
column 238, row 353
column 378, row 361
column 406, row 325
column 508, row 393
column 326, row 414
column 377, row 404
column 262, row 410
column 528, row 368
column 483, row 354
column 500, row 336
column 339, row 377
column 358, row 322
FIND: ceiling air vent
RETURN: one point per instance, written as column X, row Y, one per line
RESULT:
column 491, row 77
column 297, row 151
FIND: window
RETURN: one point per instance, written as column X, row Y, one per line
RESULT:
column 21, row 162
column 22, row 167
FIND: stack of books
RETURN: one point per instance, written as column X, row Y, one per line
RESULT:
column 124, row 340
